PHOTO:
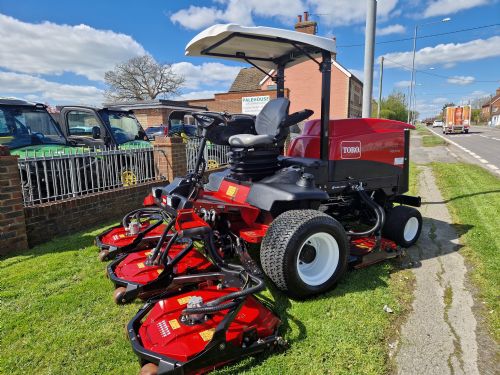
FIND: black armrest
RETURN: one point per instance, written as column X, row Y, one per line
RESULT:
column 297, row 117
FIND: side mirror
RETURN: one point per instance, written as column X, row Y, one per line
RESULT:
column 96, row 132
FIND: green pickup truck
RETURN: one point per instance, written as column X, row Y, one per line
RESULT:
column 28, row 130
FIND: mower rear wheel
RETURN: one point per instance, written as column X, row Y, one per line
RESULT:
column 304, row 252
column 403, row 225
column 118, row 295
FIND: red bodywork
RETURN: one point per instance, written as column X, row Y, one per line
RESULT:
column 371, row 139
column 120, row 237
column 133, row 269
column 162, row 331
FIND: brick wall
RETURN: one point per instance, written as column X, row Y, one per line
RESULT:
column 43, row 222
column 12, row 221
column 231, row 101
column 170, row 157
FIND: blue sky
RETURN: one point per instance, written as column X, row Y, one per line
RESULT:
column 58, row 51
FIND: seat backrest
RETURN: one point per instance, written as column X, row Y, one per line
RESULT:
column 271, row 116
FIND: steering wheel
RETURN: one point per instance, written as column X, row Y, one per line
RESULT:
column 39, row 135
column 209, row 119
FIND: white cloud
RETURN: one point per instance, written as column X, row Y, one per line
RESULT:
column 391, row 29
column 331, row 13
column 207, row 74
column 402, row 84
column 461, row 80
column 237, row 11
column 445, row 7
column 348, row 12
column 203, row 94
column 38, row 89
column 447, row 54
column 49, row 48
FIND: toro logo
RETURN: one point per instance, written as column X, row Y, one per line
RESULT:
column 350, row 150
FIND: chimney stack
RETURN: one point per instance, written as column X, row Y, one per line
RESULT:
column 498, row 91
column 303, row 25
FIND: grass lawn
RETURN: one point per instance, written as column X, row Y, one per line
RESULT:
column 473, row 194
column 432, row 141
column 58, row 318
column 429, row 139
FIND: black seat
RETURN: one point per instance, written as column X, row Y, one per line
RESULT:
column 268, row 126
column 255, row 156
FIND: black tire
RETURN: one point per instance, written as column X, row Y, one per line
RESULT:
column 284, row 242
column 396, row 222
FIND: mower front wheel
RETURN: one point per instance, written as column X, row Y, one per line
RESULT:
column 403, row 225
column 304, row 252
column 118, row 295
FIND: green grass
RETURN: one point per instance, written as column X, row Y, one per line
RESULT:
column 473, row 195
column 432, row 141
column 58, row 317
column 428, row 138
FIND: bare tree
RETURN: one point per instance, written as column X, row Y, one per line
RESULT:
column 141, row 78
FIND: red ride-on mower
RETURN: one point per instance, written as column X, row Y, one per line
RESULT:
column 211, row 320
column 338, row 197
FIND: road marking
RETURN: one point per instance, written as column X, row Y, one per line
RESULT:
column 476, row 156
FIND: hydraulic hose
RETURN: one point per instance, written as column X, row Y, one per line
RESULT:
column 137, row 213
column 379, row 213
column 218, row 304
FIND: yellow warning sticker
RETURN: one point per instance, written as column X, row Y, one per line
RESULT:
column 183, row 300
column 159, row 270
column 148, row 253
column 208, row 334
column 174, row 324
column 140, row 265
column 231, row 191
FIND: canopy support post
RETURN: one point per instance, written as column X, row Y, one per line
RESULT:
column 280, row 80
column 326, row 72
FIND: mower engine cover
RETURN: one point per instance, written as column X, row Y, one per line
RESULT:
column 365, row 149
column 164, row 333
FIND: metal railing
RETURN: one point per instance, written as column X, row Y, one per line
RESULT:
column 53, row 177
column 215, row 155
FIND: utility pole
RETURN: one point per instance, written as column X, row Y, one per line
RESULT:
column 380, row 86
column 371, row 21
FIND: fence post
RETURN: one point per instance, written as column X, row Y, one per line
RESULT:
column 12, row 220
column 170, row 157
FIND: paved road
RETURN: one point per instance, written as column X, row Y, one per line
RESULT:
column 482, row 145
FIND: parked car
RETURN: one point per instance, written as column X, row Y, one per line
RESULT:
column 28, row 129
column 102, row 127
column 437, row 124
column 31, row 133
column 171, row 131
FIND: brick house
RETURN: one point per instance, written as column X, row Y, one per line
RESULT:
column 492, row 107
column 302, row 87
column 156, row 112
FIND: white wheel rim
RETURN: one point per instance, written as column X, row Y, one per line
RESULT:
column 325, row 261
column 411, row 229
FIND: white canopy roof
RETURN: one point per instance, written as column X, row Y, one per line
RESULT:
column 259, row 44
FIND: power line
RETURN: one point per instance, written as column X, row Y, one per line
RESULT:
column 423, row 36
column 439, row 75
